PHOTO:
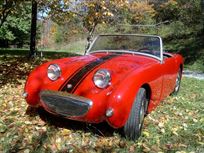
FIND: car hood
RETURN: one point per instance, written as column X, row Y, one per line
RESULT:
column 81, row 69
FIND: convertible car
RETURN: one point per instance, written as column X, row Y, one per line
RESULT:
column 119, row 80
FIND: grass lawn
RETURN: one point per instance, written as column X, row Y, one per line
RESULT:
column 197, row 66
column 177, row 125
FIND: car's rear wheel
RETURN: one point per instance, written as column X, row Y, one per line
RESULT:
column 134, row 124
column 178, row 83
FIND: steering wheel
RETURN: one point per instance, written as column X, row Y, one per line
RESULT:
column 145, row 50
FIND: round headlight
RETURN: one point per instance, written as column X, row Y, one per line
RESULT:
column 53, row 72
column 102, row 78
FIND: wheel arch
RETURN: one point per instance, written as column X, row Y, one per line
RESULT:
column 148, row 90
column 147, row 87
column 181, row 67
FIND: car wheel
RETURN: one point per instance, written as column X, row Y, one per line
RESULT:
column 178, row 83
column 134, row 124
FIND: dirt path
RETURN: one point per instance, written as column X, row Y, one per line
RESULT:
column 191, row 74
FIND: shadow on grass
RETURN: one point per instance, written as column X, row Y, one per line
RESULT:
column 16, row 66
column 101, row 129
column 53, row 123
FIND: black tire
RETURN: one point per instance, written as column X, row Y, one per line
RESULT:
column 178, row 83
column 134, row 124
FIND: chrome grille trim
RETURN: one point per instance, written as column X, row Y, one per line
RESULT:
column 65, row 104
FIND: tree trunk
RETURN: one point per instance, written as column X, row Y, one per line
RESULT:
column 90, row 37
column 33, row 29
column 202, row 9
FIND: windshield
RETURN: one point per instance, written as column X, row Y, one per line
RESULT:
column 134, row 43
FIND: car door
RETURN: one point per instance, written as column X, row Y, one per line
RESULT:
column 169, row 76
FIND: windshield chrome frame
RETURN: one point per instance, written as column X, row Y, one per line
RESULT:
column 133, row 52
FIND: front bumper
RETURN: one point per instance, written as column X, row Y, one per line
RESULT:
column 65, row 104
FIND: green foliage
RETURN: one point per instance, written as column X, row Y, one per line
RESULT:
column 16, row 28
column 185, row 23
column 74, row 19
column 197, row 65
column 5, row 34
column 8, row 8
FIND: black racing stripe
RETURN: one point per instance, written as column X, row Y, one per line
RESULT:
column 71, row 76
column 66, row 82
column 79, row 76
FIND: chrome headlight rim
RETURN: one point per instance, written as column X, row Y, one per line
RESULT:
column 53, row 74
column 102, row 83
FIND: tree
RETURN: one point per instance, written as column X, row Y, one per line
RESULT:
column 185, row 23
column 202, row 9
column 90, row 13
column 8, row 7
column 15, row 27
column 142, row 12
column 33, row 29
column 184, row 17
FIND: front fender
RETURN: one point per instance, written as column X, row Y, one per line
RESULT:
column 37, row 81
column 122, row 98
column 34, row 84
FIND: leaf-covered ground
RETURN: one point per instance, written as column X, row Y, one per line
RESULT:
column 177, row 125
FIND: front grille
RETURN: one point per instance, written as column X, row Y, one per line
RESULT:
column 65, row 104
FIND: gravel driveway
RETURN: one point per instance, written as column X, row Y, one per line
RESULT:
column 192, row 74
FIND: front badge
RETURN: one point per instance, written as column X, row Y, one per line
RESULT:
column 69, row 86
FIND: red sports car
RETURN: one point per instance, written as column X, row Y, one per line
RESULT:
column 118, row 80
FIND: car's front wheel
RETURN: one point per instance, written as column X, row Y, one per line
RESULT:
column 134, row 124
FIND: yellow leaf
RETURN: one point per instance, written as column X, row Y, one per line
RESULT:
column 194, row 120
column 163, row 130
column 174, row 132
column 65, row 132
column 161, row 125
column 146, row 133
